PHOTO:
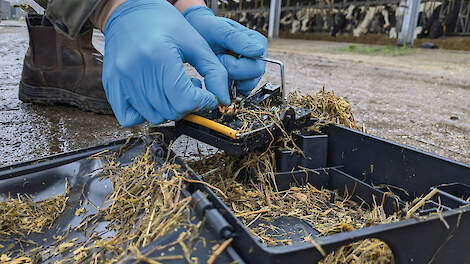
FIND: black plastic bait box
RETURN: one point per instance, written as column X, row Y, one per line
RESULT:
column 338, row 159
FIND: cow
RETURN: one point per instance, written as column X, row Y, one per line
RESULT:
column 431, row 26
column 358, row 20
column 377, row 23
column 339, row 23
column 247, row 19
column 260, row 21
column 328, row 21
column 442, row 20
column 303, row 17
column 315, row 23
column 285, row 22
column 364, row 25
column 358, row 14
column 390, row 16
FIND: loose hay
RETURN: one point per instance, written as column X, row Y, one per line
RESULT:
column 247, row 117
column 364, row 251
column 145, row 204
column 22, row 216
column 326, row 107
column 251, row 200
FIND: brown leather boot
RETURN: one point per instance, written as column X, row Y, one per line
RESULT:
column 58, row 70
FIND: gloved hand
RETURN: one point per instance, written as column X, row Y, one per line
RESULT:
column 224, row 35
column 147, row 42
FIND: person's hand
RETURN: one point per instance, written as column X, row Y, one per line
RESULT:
column 144, row 77
column 225, row 35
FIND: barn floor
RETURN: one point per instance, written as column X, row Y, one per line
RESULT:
column 420, row 99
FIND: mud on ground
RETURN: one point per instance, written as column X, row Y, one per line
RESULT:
column 451, row 43
column 421, row 99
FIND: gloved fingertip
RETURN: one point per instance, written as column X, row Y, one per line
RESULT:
column 224, row 99
column 216, row 83
column 243, row 68
column 253, row 50
column 245, row 87
column 130, row 119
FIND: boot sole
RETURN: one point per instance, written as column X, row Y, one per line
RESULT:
column 53, row 96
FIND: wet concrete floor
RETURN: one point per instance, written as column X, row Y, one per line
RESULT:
column 31, row 131
column 415, row 99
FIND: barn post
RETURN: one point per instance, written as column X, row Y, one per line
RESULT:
column 215, row 6
column 410, row 10
column 274, row 17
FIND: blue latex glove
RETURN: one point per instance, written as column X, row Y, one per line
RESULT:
column 224, row 35
column 144, row 77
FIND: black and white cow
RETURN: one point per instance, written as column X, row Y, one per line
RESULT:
column 339, row 23
column 435, row 19
column 438, row 19
column 315, row 23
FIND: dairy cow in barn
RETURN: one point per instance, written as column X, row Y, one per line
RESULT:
column 234, row 15
column 328, row 21
column 383, row 20
column 355, row 16
column 353, row 19
column 376, row 19
column 286, row 20
column 230, row 4
column 296, row 22
column 425, row 10
column 306, row 19
column 245, row 18
column 378, row 23
column 363, row 26
column 390, row 18
column 339, row 23
column 301, row 23
column 315, row 23
column 432, row 26
column 261, row 21
column 346, row 22
column 441, row 20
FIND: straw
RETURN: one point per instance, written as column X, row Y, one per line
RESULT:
column 147, row 200
column 22, row 216
column 253, row 200
column 145, row 204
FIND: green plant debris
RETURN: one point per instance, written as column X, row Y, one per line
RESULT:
column 378, row 50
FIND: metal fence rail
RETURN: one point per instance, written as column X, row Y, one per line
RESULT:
column 463, row 20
